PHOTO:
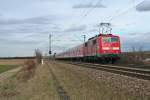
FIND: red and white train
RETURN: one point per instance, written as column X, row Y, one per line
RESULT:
column 101, row 48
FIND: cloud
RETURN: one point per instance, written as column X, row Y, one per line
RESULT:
column 88, row 6
column 128, row 46
column 135, row 39
column 93, row 30
column 76, row 28
column 2, row 39
column 38, row 25
column 143, row 35
column 19, row 42
column 143, row 6
column 29, row 42
column 34, row 20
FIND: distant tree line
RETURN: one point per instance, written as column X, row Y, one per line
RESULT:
column 29, row 57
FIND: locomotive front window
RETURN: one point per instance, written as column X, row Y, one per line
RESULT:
column 109, row 39
column 114, row 39
column 106, row 39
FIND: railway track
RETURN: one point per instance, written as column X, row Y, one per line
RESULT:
column 127, row 71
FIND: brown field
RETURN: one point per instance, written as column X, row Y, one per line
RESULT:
column 12, row 61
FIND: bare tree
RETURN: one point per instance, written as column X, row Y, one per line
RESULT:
column 38, row 55
column 141, row 53
column 140, row 48
column 133, row 49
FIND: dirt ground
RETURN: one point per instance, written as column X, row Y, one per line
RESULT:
column 12, row 61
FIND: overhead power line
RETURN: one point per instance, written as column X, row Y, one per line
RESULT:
column 126, row 11
column 99, row 1
column 90, row 9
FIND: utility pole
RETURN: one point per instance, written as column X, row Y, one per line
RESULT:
column 84, row 37
column 50, row 49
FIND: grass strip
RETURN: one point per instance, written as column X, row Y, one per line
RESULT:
column 4, row 68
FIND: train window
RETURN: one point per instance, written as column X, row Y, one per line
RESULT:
column 94, row 41
column 114, row 39
column 86, row 44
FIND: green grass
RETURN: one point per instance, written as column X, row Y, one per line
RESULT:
column 4, row 68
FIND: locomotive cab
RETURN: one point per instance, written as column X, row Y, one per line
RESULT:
column 110, row 45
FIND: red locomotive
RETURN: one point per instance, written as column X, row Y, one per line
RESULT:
column 101, row 48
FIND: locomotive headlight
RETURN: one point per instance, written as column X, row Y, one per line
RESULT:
column 115, row 48
column 106, row 48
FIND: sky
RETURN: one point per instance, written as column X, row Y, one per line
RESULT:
column 25, row 25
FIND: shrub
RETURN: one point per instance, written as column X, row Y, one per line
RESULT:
column 27, row 71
